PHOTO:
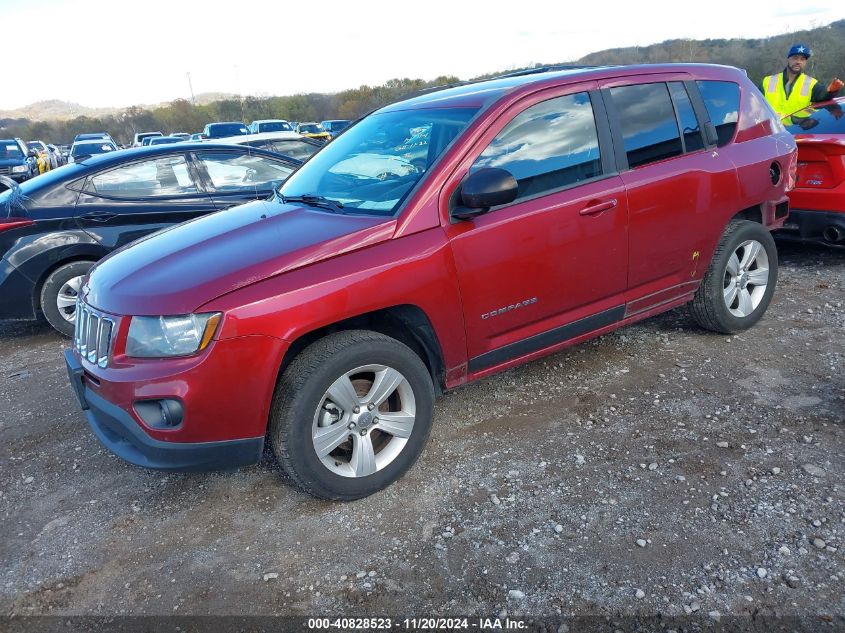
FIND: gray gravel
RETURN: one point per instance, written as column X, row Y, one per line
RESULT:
column 658, row 469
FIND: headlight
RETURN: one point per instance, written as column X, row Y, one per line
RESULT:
column 155, row 337
column 20, row 169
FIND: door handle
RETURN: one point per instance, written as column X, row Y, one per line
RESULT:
column 99, row 217
column 597, row 207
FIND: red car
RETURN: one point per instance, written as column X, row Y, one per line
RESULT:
column 547, row 208
column 818, row 200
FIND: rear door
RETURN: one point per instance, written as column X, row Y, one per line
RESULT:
column 552, row 265
column 237, row 177
column 121, row 204
column 675, row 185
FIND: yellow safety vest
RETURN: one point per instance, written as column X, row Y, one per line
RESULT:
column 799, row 98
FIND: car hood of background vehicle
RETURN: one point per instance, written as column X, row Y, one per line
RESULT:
column 181, row 268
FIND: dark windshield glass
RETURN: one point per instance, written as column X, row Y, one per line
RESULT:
column 220, row 130
column 164, row 140
column 372, row 167
column 824, row 120
column 275, row 126
column 88, row 149
column 10, row 149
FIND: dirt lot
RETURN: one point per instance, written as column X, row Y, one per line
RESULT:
column 657, row 470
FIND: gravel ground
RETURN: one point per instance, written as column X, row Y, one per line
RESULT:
column 658, row 470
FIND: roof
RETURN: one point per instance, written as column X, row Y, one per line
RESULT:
column 101, row 160
column 479, row 93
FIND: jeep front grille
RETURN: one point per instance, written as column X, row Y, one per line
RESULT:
column 92, row 335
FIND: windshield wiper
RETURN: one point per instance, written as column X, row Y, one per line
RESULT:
column 315, row 201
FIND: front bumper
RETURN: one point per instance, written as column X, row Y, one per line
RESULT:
column 813, row 227
column 224, row 401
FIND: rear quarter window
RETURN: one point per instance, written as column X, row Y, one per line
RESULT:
column 721, row 98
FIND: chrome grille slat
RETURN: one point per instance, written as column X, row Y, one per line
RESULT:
column 92, row 336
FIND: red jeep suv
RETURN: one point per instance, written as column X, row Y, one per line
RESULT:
column 537, row 210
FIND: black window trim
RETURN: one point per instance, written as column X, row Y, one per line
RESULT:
column 606, row 155
column 701, row 112
column 678, row 122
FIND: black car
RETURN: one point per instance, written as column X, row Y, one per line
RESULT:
column 53, row 228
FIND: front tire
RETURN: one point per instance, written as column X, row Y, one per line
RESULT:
column 351, row 414
column 58, row 295
column 740, row 281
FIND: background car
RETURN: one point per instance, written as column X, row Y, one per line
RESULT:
column 17, row 161
column 335, row 126
column 817, row 203
column 57, row 154
column 85, row 149
column 140, row 136
column 313, row 130
column 270, row 125
column 71, row 217
column 165, row 140
column 183, row 135
column 284, row 143
column 199, row 136
column 94, row 136
column 46, row 159
column 224, row 129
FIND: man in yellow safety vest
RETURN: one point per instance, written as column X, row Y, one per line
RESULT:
column 792, row 90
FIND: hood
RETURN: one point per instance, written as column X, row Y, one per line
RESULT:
column 12, row 162
column 177, row 270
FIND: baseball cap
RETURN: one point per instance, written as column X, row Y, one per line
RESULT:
column 800, row 49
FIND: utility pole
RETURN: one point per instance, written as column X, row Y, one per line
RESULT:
column 191, row 88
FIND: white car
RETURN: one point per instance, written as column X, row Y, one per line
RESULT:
column 285, row 143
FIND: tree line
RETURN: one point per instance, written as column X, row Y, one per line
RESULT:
column 759, row 57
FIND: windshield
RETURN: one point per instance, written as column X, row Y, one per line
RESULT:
column 372, row 167
column 164, row 140
column 274, row 126
column 10, row 149
column 311, row 128
column 824, row 120
column 88, row 149
column 220, row 130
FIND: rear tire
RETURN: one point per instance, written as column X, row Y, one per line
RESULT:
column 740, row 281
column 351, row 414
column 58, row 295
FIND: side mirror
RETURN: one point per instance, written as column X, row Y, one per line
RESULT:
column 488, row 187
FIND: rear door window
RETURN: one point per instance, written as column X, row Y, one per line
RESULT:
column 166, row 176
column 647, row 119
column 721, row 98
column 549, row 146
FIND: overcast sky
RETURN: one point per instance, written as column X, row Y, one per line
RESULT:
column 125, row 52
